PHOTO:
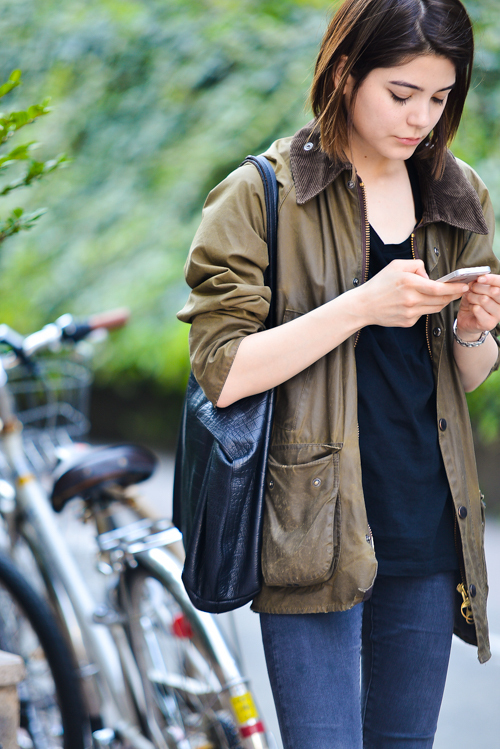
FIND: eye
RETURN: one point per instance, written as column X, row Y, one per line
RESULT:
column 438, row 101
column 398, row 98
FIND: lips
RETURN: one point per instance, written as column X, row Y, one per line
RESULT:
column 410, row 141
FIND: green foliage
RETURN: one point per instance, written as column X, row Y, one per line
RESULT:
column 10, row 123
column 478, row 143
column 484, row 404
column 156, row 101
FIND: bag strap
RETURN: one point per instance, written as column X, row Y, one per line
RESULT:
column 271, row 199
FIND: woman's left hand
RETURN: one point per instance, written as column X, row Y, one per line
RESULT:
column 480, row 307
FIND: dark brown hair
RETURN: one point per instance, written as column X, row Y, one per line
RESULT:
column 369, row 34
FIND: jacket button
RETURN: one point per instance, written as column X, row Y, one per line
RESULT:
column 316, row 482
column 462, row 512
column 443, row 425
column 355, row 281
column 472, row 591
column 271, row 484
column 351, row 184
column 437, row 332
column 436, row 251
column 308, row 146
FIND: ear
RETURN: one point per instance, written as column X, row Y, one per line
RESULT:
column 338, row 72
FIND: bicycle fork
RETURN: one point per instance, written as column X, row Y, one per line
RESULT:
column 239, row 699
column 145, row 542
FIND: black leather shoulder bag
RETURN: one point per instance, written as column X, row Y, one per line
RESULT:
column 220, row 470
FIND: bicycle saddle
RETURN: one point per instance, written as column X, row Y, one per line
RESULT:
column 120, row 464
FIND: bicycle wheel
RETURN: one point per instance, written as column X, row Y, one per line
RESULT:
column 52, row 713
column 182, row 690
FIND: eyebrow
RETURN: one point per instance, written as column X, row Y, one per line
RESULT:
column 417, row 88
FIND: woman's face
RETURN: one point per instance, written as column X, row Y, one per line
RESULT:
column 396, row 108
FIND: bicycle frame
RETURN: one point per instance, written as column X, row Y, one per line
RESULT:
column 59, row 570
column 111, row 681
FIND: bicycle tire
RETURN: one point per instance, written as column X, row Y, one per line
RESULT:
column 52, row 711
column 163, row 646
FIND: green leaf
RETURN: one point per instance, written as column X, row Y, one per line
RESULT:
column 36, row 110
column 20, row 153
column 16, row 120
column 19, row 221
column 14, row 80
column 35, row 171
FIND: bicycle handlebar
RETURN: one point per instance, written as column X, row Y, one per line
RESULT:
column 65, row 328
column 112, row 319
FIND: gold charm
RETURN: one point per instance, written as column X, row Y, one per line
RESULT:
column 466, row 607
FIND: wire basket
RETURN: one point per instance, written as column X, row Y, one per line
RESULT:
column 53, row 406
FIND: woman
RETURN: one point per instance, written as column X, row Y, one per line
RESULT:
column 371, row 460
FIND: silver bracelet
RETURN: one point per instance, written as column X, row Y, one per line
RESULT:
column 469, row 344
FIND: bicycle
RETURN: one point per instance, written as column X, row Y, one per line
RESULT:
column 142, row 667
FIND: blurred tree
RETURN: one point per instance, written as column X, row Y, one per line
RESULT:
column 478, row 143
column 33, row 171
column 156, row 101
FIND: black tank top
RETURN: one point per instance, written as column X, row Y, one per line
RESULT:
column 406, row 490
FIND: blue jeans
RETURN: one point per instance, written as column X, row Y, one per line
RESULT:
column 371, row 677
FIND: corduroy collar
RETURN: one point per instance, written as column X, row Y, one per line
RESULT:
column 451, row 199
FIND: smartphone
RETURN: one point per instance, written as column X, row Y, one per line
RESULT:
column 466, row 275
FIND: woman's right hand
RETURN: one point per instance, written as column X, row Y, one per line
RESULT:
column 401, row 293
column 395, row 297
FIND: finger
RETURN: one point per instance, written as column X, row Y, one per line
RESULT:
column 436, row 288
column 422, row 273
column 482, row 293
column 485, row 302
column 491, row 279
column 409, row 266
column 491, row 290
column 485, row 321
column 465, row 305
column 432, row 306
column 444, row 296
column 458, row 288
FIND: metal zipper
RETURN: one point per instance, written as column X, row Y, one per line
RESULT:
column 369, row 537
column 466, row 606
column 366, row 240
column 366, row 259
column 415, row 256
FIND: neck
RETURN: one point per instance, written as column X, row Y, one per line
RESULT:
column 373, row 167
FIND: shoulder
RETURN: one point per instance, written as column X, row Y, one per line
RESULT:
column 479, row 189
column 245, row 180
column 241, row 193
column 458, row 198
column 278, row 155
column 470, row 175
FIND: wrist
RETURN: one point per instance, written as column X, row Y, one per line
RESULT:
column 467, row 339
column 361, row 306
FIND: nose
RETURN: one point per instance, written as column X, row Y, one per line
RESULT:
column 420, row 115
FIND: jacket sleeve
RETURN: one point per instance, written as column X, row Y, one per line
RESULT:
column 225, row 270
column 478, row 249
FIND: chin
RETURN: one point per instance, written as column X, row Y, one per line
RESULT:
column 402, row 152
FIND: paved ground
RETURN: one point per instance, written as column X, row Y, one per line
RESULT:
column 470, row 715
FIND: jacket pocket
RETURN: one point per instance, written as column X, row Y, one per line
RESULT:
column 301, row 536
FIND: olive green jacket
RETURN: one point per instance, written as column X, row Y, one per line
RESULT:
column 318, row 551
